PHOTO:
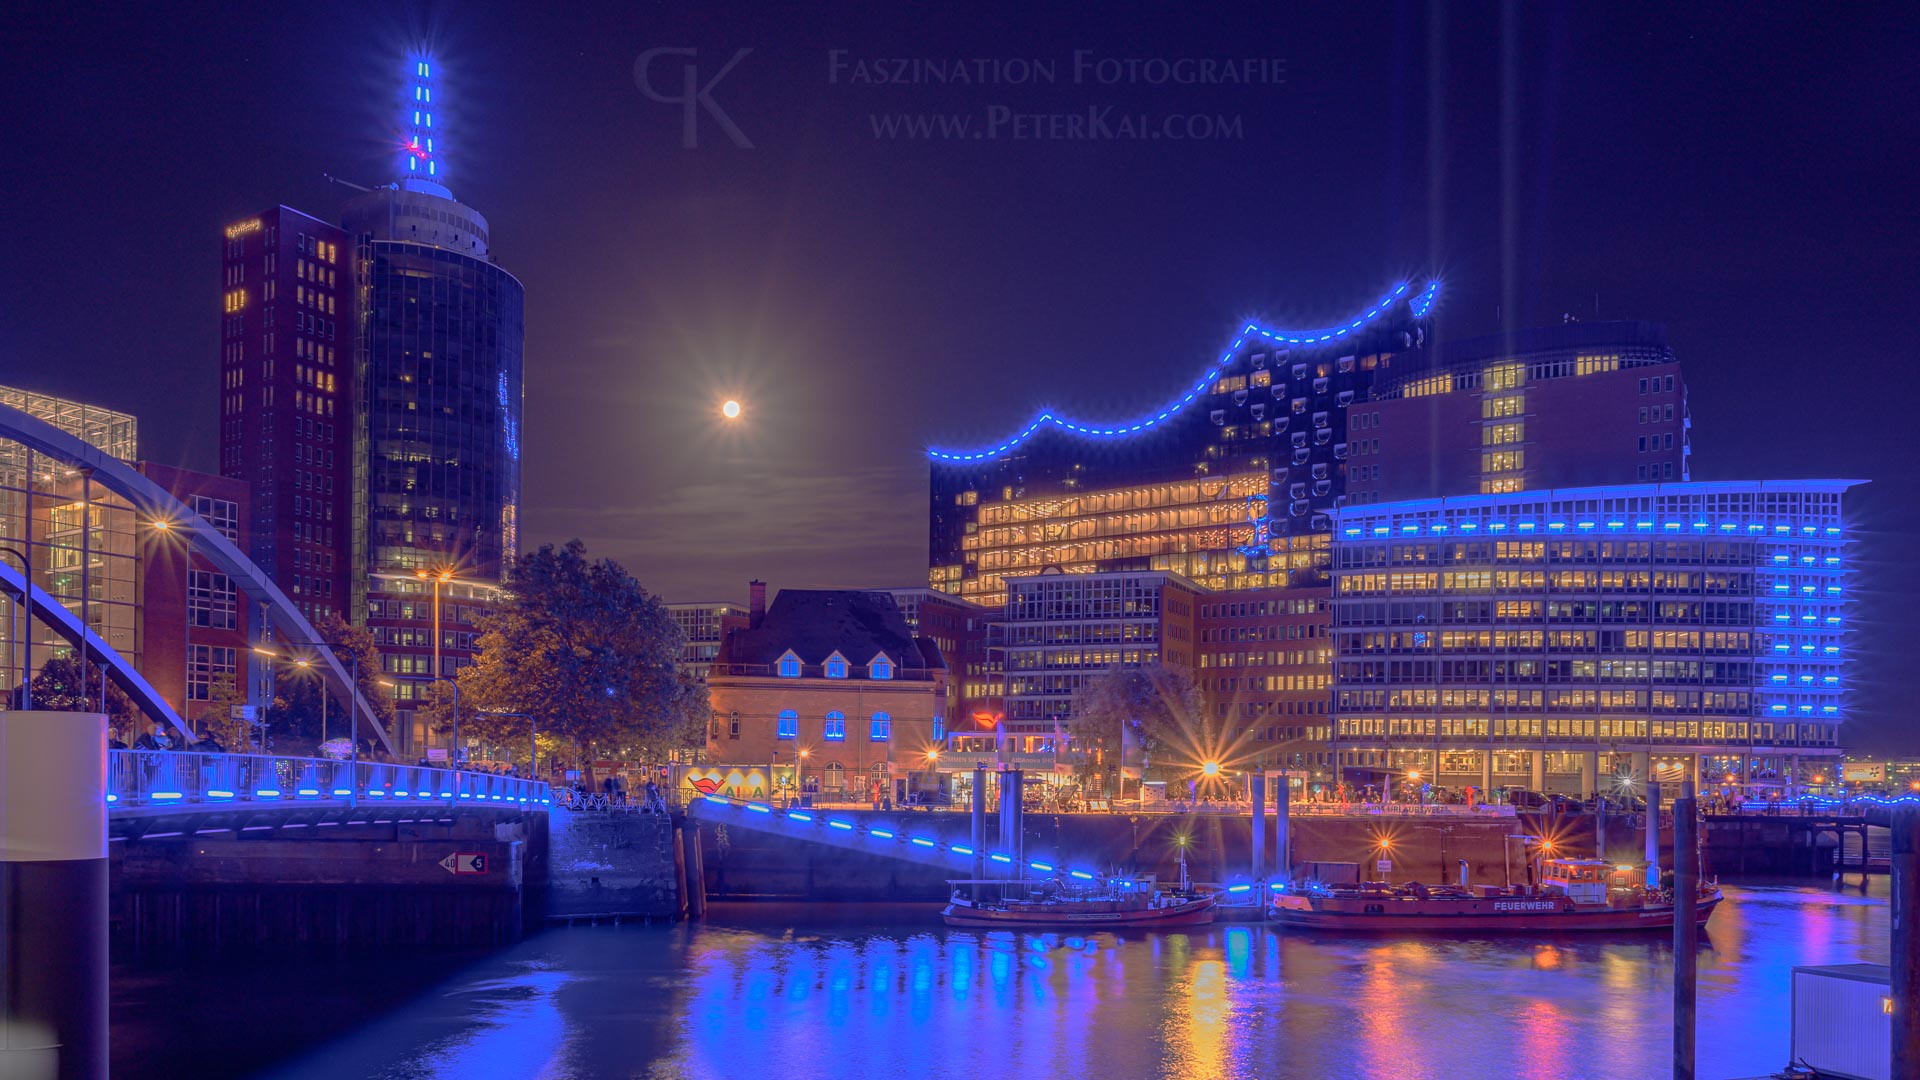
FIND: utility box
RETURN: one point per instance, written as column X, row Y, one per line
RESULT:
column 1842, row 1020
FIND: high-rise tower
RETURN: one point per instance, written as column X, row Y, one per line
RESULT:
column 438, row 428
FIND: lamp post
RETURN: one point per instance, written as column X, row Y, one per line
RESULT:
column 353, row 706
column 533, row 736
column 24, row 640
column 439, row 578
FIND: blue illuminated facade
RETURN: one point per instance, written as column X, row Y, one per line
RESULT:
column 1230, row 483
column 1570, row 639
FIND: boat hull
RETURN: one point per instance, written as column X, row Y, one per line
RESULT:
column 1196, row 912
column 1505, row 915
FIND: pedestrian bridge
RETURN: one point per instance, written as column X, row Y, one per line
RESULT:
column 927, row 838
column 156, row 793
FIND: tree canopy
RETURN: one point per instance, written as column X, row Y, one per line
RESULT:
column 59, row 687
column 1152, row 713
column 579, row 644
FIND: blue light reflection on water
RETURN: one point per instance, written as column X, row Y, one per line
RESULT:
column 757, row 992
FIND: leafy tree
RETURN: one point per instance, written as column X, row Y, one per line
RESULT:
column 215, row 716
column 58, row 687
column 296, row 708
column 581, row 645
column 1154, row 709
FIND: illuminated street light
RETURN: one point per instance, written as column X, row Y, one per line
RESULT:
column 1211, row 768
column 730, row 410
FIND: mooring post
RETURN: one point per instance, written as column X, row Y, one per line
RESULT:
column 1283, row 829
column 1010, row 824
column 979, row 825
column 1686, row 928
column 1257, row 790
column 1653, row 833
column 1906, row 942
column 53, row 894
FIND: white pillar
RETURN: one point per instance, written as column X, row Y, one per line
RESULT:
column 1589, row 773
column 53, row 872
column 1539, row 759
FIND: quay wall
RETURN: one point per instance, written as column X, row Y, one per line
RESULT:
column 343, row 888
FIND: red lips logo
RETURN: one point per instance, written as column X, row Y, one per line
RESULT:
column 705, row 785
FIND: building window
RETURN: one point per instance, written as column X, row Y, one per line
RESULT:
column 207, row 665
column 789, row 724
column 789, row 666
column 836, row 727
column 836, row 666
column 222, row 514
column 733, row 725
column 881, row 668
column 882, row 727
column 210, row 600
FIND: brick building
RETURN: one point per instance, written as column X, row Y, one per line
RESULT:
column 825, row 693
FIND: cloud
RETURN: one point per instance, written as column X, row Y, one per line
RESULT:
column 864, row 526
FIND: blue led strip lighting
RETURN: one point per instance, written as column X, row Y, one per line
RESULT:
column 1419, row 305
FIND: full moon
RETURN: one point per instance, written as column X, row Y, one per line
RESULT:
column 731, row 410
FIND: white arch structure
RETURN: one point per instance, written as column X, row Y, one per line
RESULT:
column 155, row 502
column 65, row 623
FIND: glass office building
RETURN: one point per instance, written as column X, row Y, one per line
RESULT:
column 438, row 428
column 1580, row 638
column 1230, row 482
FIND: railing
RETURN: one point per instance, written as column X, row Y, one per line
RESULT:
column 160, row 778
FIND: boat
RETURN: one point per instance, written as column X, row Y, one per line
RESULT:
column 1573, row 895
column 1110, row 904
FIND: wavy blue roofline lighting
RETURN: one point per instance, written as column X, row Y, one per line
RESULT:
column 1419, row 305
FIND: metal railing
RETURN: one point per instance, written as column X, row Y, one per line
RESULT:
column 159, row 778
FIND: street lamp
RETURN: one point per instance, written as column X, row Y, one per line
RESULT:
column 353, row 706
column 439, row 578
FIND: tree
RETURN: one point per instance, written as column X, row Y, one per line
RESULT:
column 296, row 708
column 581, row 646
column 215, row 716
column 59, row 687
column 1150, row 713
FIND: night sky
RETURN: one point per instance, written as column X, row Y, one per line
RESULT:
column 1742, row 173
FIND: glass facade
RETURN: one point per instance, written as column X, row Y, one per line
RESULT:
column 441, row 367
column 43, row 507
column 1701, row 618
column 1231, row 485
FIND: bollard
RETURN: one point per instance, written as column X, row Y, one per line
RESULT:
column 53, row 894
column 1686, row 928
column 1257, row 790
column 1905, row 958
column 1653, row 834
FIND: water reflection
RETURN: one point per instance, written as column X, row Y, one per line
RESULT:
column 885, row 992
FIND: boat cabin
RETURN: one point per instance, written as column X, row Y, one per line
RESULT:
column 1585, row 881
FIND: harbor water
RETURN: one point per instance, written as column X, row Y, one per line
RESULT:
column 849, row 991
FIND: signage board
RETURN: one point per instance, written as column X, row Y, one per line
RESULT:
column 465, row 862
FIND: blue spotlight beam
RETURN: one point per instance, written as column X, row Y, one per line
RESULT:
column 1419, row 305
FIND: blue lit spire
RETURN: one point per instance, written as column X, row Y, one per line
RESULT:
column 1418, row 305
column 419, row 145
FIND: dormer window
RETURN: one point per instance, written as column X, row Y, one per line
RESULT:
column 836, row 666
column 789, row 666
column 880, row 667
